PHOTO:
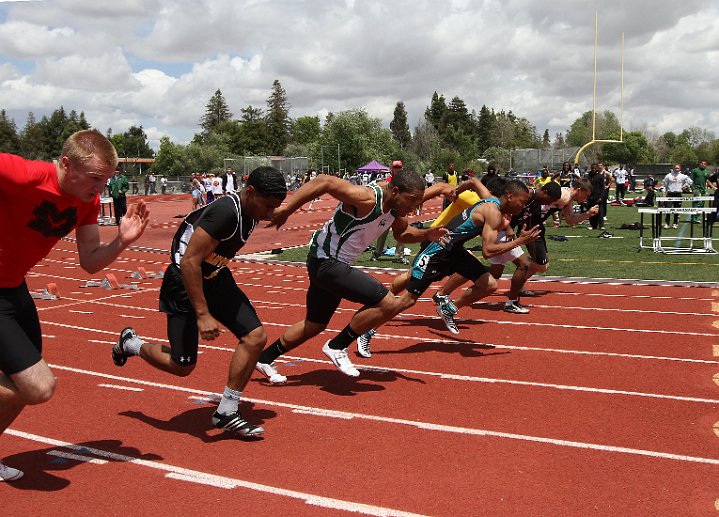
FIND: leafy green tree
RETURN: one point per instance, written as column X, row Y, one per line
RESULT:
column 253, row 133
column 9, row 139
column 499, row 156
column 635, row 149
column 426, row 142
column 400, row 127
column 361, row 138
column 306, row 130
column 216, row 111
column 580, row 132
column 171, row 159
column 683, row 153
column 278, row 120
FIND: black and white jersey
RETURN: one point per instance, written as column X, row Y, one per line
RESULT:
column 222, row 220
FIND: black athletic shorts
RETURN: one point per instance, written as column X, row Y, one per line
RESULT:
column 432, row 266
column 331, row 281
column 538, row 251
column 20, row 335
column 226, row 302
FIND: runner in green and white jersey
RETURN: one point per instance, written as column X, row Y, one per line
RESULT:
column 363, row 214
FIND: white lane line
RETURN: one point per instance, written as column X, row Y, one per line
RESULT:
column 116, row 387
column 130, row 316
column 176, row 472
column 81, row 312
column 442, row 375
column 421, row 425
column 77, row 457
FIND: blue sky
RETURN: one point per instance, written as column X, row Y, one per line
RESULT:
column 157, row 62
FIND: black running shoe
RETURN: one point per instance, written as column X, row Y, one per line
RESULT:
column 236, row 424
column 119, row 357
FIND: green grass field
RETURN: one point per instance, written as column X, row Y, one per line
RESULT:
column 584, row 254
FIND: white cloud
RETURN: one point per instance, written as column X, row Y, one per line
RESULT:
column 157, row 63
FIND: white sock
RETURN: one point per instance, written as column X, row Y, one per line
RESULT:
column 132, row 346
column 230, row 401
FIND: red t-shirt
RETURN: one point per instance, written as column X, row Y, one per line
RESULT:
column 34, row 215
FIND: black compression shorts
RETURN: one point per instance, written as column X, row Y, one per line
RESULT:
column 432, row 267
column 226, row 302
column 331, row 281
column 20, row 335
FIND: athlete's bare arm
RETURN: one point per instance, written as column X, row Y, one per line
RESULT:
column 356, row 198
column 403, row 232
column 95, row 255
column 490, row 218
column 201, row 245
column 475, row 185
column 572, row 218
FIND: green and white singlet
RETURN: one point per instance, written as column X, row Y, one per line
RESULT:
column 344, row 237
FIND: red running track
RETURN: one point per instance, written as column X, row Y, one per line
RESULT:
column 601, row 401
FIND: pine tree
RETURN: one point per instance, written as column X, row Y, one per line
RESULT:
column 400, row 127
column 216, row 111
column 33, row 143
column 486, row 129
column 9, row 139
column 545, row 139
column 279, row 125
column 436, row 112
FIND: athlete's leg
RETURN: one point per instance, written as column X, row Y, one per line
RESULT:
column 454, row 282
column 482, row 287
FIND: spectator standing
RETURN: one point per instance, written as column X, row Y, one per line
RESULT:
column 451, row 177
column 118, row 187
column 699, row 178
column 229, row 181
column 429, row 178
column 146, row 184
column 163, row 184
column 153, row 186
column 713, row 182
column 133, row 185
column 620, row 180
column 675, row 183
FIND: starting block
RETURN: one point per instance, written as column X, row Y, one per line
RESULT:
column 143, row 273
column 109, row 282
column 49, row 293
column 140, row 273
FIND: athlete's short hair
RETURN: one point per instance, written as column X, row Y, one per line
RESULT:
column 553, row 190
column 83, row 146
column 583, row 184
column 515, row 187
column 496, row 185
column 407, row 181
column 268, row 181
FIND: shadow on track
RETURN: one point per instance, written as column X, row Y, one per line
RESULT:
column 197, row 421
column 40, row 465
column 337, row 383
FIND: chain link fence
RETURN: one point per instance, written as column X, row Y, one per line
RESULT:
column 289, row 166
column 535, row 159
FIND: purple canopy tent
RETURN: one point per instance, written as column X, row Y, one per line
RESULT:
column 373, row 166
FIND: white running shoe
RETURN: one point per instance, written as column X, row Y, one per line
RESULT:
column 341, row 360
column 448, row 317
column 515, row 307
column 271, row 373
column 9, row 473
column 363, row 343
